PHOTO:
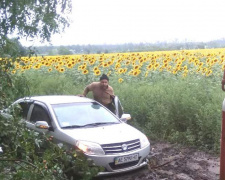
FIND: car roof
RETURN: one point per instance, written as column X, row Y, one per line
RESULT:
column 58, row 99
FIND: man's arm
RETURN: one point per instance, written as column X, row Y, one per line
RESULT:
column 86, row 90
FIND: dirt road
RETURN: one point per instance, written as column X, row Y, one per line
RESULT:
column 174, row 162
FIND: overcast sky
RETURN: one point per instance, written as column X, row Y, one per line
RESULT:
column 124, row 21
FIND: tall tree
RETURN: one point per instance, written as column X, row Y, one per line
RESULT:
column 33, row 18
column 37, row 19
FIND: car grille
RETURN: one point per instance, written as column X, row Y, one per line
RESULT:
column 121, row 147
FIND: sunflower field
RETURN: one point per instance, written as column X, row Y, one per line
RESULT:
column 171, row 95
column 207, row 62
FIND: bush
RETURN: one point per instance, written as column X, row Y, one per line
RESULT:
column 31, row 155
column 186, row 111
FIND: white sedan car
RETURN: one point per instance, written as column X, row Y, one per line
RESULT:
column 82, row 122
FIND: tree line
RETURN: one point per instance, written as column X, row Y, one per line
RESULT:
column 126, row 47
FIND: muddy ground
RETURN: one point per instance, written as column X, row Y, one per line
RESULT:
column 174, row 162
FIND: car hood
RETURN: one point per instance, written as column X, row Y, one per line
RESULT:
column 105, row 134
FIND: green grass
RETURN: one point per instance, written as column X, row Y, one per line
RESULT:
column 171, row 108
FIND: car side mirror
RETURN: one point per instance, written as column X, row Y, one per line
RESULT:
column 42, row 125
column 125, row 117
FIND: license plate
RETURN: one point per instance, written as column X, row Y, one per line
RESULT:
column 125, row 159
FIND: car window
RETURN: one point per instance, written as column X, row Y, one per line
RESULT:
column 82, row 113
column 24, row 109
column 119, row 108
column 39, row 114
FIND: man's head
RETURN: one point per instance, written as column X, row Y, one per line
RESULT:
column 104, row 80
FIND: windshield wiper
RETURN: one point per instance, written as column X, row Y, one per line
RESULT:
column 101, row 123
column 72, row 126
column 91, row 124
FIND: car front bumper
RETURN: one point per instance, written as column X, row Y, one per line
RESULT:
column 108, row 162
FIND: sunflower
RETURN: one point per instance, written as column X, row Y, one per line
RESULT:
column 118, row 65
column 120, row 80
column 105, row 64
column 208, row 60
column 198, row 70
column 136, row 67
column 80, row 67
column 95, row 68
column 97, row 72
column 91, row 62
column 136, row 72
column 83, row 66
column 179, row 62
column 47, row 64
column 215, row 60
column 73, row 62
column 13, row 71
column 204, row 70
column 120, row 70
column 175, row 71
column 200, row 64
column 69, row 65
column 17, row 66
column 156, row 65
column 110, row 63
column 85, row 71
column 37, row 66
column 165, row 65
column 61, row 70
column 165, row 61
column 127, row 63
column 57, row 67
column 208, row 73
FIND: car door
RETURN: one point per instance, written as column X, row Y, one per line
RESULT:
column 118, row 107
column 38, row 112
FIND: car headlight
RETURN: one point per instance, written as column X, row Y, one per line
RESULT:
column 144, row 141
column 90, row 148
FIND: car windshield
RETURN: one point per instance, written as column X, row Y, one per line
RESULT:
column 75, row 115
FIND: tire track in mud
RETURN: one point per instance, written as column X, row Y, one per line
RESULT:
column 174, row 162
